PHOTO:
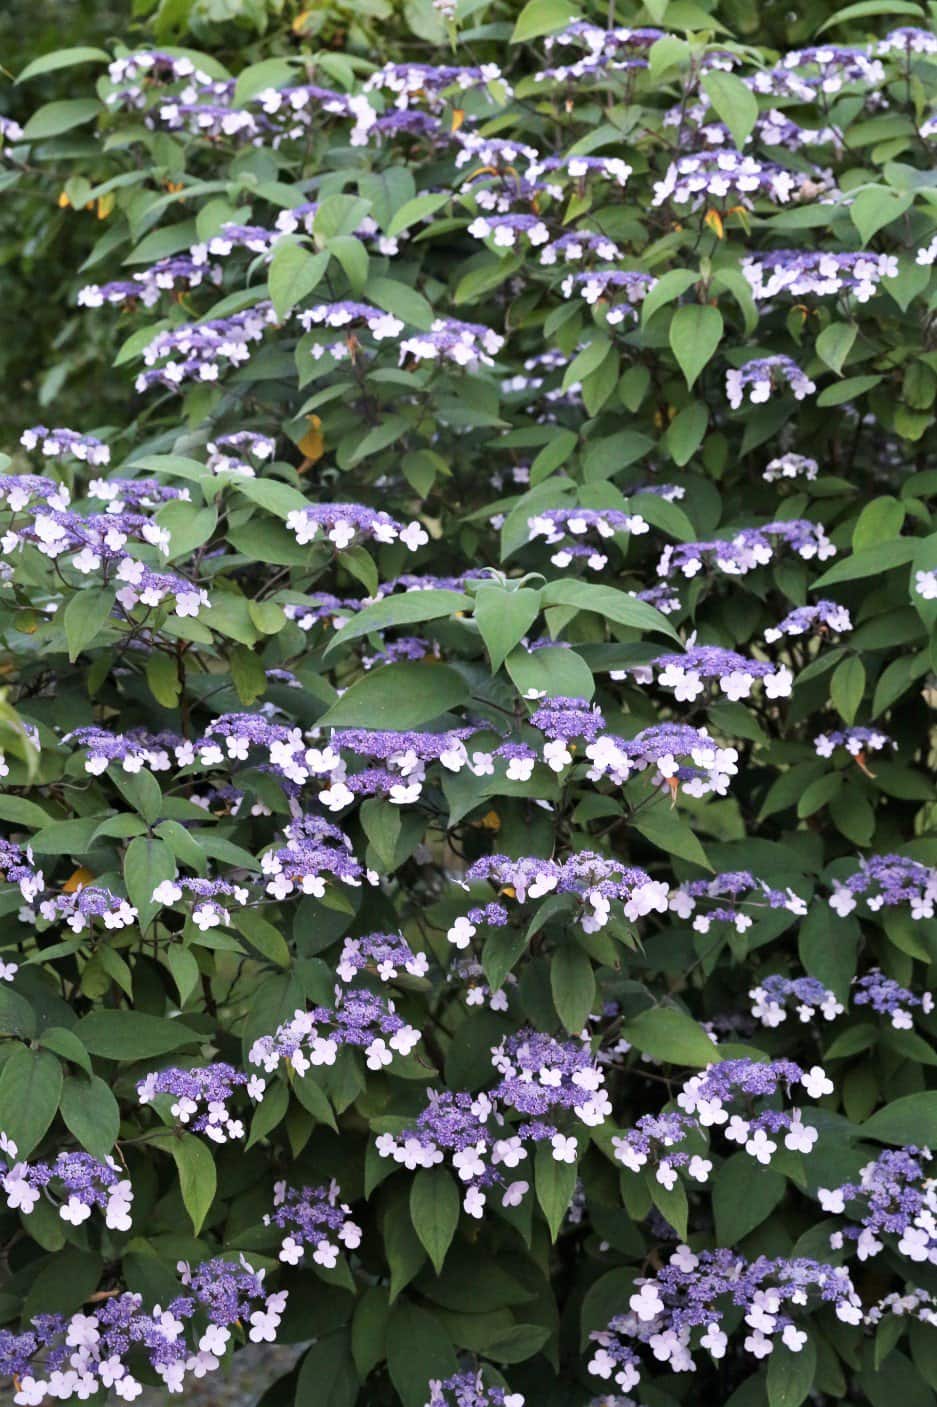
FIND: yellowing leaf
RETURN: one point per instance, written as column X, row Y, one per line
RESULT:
column 713, row 221
column 77, row 880
column 312, row 444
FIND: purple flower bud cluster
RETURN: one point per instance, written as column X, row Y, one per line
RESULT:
column 887, row 881
column 201, row 351
column 55, row 444
column 802, row 274
column 894, row 1197
column 80, row 908
column 379, row 324
column 94, row 541
column 361, row 1020
column 182, row 272
column 565, row 525
column 925, row 584
column 563, row 719
column 121, row 494
column 433, row 83
column 857, row 742
column 790, row 466
column 312, row 1217
column 578, row 246
column 748, row 550
column 694, row 1292
column 507, row 231
column 825, row 70
column 345, row 523
column 456, row 1126
column 739, row 887
column 774, row 994
column 384, row 954
column 468, row 1389
column 887, row 997
column 615, row 289
column 540, row 1075
column 19, row 491
column 75, row 1183
column 593, row 880
column 826, row 617
column 704, row 1103
column 693, row 179
column 466, row 344
column 612, row 50
column 688, row 674
column 226, row 453
column 707, row 768
column 200, row 1097
column 315, row 853
column 11, row 133
column 763, row 376
column 17, row 867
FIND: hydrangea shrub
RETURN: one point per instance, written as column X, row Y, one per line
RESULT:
column 468, row 839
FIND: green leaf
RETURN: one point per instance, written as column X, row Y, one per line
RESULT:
column 556, row 1183
column 503, row 617
column 849, row 390
column 369, row 1329
column 196, row 1168
column 415, row 210
column 847, row 687
column 293, row 274
column 742, row 1202
column 667, row 1034
column 398, row 696
column 247, row 674
column 790, row 1375
column 835, row 343
column 434, row 1210
column 911, row 1119
column 353, row 257
column 864, row 9
column 869, row 563
column 30, row 1089
column 879, row 521
column 735, row 103
column 63, row 58
column 65, row 1043
column 553, row 670
column 269, row 73
column 686, row 432
column 132, row 1035
column 410, row 608
column 606, row 601
column 877, row 206
column 147, row 863
column 55, row 118
column 418, row 1349
column 17, row 1017
column 695, row 331
column 543, row 17
column 667, row 288
column 401, row 300
column 84, row 616
column 327, row 1376
column 572, row 983
column 665, row 827
column 162, row 676
column 91, row 1113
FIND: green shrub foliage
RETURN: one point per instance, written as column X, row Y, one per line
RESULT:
column 468, row 839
